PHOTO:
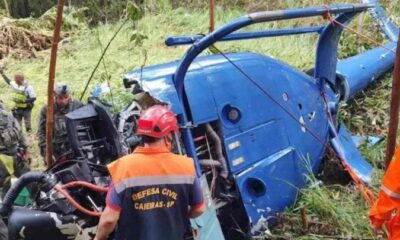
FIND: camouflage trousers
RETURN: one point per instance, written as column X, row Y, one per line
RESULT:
column 25, row 114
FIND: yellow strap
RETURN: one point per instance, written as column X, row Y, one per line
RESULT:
column 19, row 99
column 21, row 105
column 18, row 96
column 8, row 162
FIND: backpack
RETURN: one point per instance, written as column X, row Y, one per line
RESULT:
column 9, row 131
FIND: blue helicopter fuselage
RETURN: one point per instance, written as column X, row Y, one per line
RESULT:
column 268, row 152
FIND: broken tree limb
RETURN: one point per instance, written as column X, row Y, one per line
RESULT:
column 394, row 109
column 211, row 16
column 304, row 220
column 50, row 87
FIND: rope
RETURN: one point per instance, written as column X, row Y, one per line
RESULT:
column 270, row 96
column 327, row 16
column 363, row 189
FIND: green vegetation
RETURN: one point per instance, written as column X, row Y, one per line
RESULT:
column 333, row 210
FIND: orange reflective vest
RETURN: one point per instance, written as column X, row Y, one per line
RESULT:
column 387, row 206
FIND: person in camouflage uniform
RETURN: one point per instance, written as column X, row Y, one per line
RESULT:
column 13, row 150
column 63, row 105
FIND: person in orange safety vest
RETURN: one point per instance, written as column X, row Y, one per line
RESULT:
column 153, row 192
column 386, row 208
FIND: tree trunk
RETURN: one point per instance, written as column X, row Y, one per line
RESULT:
column 175, row 4
column 7, row 8
column 27, row 8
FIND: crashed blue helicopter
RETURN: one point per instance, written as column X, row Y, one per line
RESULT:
column 254, row 125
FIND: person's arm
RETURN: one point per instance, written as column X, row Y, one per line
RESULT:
column 23, row 151
column 6, row 79
column 21, row 138
column 42, row 131
column 196, row 211
column 22, row 148
column 197, row 206
column 381, row 213
column 18, row 131
column 110, row 216
column 30, row 100
column 107, row 223
column 31, row 95
column 77, row 104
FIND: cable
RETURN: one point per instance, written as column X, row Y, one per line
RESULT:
column 75, row 203
column 84, row 184
column 270, row 96
column 363, row 189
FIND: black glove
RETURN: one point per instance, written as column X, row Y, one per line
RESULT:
column 30, row 100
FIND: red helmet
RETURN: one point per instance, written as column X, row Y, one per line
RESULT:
column 157, row 121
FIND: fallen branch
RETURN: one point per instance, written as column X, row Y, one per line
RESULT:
column 304, row 219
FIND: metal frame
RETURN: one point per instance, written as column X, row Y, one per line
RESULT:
column 182, row 40
column 326, row 52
